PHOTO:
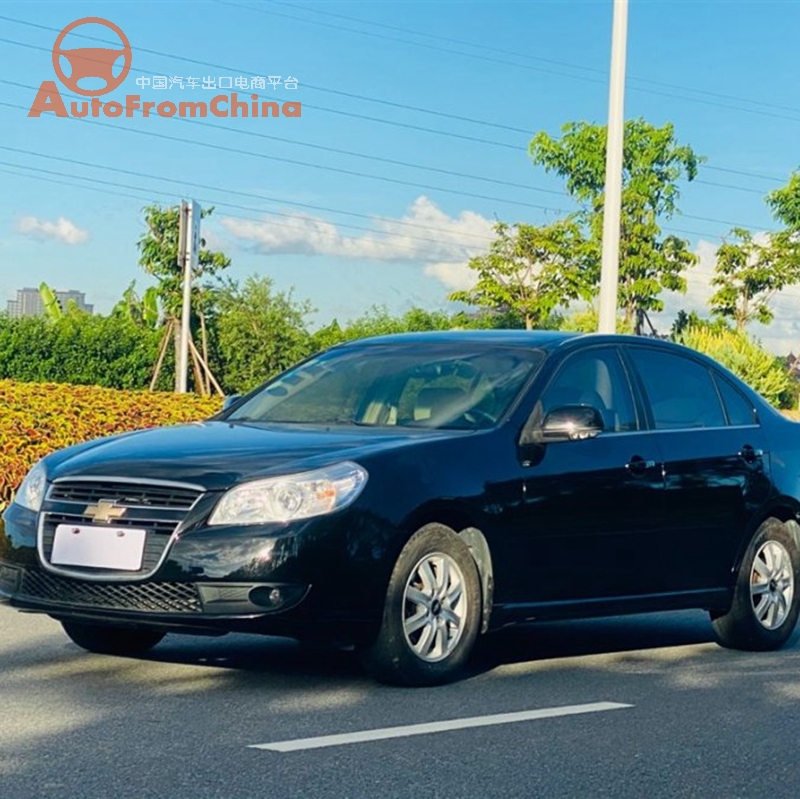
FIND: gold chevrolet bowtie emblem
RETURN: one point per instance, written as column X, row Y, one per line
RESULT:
column 104, row 511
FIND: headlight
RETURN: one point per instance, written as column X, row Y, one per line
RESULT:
column 31, row 492
column 294, row 496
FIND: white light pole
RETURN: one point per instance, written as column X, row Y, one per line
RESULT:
column 609, row 274
column 188, row 249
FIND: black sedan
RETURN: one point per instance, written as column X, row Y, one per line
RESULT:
column 406, row 494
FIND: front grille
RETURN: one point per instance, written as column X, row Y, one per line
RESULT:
column 158, row 509
column 142, row 597
column 126, row 494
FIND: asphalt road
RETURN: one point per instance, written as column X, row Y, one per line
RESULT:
column 704, row 722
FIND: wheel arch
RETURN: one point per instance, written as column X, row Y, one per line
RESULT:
column 466, row 528
column 785, row 510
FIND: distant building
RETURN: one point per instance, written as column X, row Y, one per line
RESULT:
column 29, row 302
column 78, row 297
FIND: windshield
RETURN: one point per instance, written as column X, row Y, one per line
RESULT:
column 448, row 386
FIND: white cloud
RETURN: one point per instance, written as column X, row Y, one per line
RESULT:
column 455, row 275
column 424, row 234
column 63, row 230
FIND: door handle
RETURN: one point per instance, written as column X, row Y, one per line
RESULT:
column 750, row 454
column 638, row 465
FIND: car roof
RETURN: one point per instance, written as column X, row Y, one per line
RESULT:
column 547, row 340
column 539, row 339
column 516, row 338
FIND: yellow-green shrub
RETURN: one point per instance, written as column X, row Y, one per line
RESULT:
column 38, row 418
column 743, row 356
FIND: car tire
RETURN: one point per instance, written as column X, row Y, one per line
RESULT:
column 432, row 612
column 106, row 640
column 765, row 604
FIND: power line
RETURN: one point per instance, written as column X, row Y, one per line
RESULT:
column 376, row 158
column 434, row 112
column 223, row 204
column 176, row 181
column 306, row 85
column 350, row 172
column 347, row 171
column 561, row 73
column 336, row 150
column 527, row 56
column 391, row 161
column 365, row 117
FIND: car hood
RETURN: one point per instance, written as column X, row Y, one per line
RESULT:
column 216, row 455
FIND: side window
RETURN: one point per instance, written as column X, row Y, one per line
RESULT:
column 681, row 391
column 739, row 408
column 595, row 377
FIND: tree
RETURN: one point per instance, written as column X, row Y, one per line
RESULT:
column 259, row 332
column 653, row 163
column 785, row 203
column 748, row 274
column 530, row 271
column 158, row 248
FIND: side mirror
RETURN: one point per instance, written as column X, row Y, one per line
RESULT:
column 230, row 400
column 570, row 423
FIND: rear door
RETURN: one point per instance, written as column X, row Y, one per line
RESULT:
column 715, row 467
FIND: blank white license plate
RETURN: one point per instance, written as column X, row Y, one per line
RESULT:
column 120, row 548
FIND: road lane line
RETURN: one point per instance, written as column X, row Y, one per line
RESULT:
column 364, row 736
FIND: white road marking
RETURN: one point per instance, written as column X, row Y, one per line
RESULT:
column 364, row 736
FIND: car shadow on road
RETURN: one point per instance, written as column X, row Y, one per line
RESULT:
column 530, row 643
column 566, row 639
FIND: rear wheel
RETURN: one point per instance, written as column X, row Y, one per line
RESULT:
column 107, row 640
column 432, row 612
column 765, row 606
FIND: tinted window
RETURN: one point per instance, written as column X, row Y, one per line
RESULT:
column 739, row 408
column 595, row 377
column 680, row 390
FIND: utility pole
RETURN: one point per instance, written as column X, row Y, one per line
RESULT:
column 609, row 274
column 188, row 249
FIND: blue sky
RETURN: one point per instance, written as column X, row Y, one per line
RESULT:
column 390, row 233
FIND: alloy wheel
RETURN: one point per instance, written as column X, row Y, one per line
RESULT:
column 434, row 607
column 772, row 585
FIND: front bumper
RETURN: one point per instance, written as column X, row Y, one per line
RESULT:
column 33, row 586
column 287, row 580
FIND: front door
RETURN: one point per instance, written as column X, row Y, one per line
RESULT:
column 592, row 509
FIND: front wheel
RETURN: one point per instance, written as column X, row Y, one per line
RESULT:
column 432, row 612
column 106, row 640
column 765, row 606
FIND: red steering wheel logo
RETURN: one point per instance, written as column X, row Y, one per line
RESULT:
column 92, row 62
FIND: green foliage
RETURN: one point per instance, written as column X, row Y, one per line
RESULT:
column 530, row 271
column 744, row 356
column 653, row 164
column 258, row 331
column 377, row 321
column 39, row 419
column 78, row 348
column 158, row 250
column 52, row 308
column 587, row 321
column 785, row 203
column 748, row 274
column 139, row 310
